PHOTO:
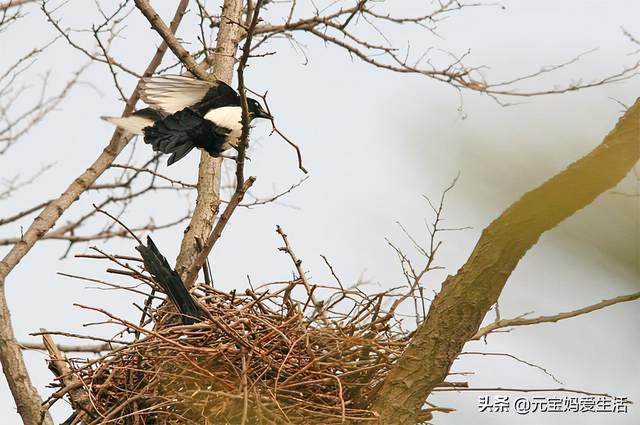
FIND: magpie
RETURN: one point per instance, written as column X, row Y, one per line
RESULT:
column 186, row 113
column 171, row 284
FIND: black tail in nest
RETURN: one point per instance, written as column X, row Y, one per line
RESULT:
column 170, row 282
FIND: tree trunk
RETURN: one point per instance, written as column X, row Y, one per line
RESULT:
column 208, row 200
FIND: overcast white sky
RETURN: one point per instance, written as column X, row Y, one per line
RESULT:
column 374, row 143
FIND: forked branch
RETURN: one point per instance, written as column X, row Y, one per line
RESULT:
column 521, row 321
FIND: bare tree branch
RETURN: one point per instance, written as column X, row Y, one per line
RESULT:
column 520, row 321
column 13, row 3
column 243, row 143
column 169, row 38
column 340, row 29
column 69, row 348
column 298, row 265
column 103, row 57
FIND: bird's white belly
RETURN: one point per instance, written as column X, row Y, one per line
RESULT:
column 229, row 117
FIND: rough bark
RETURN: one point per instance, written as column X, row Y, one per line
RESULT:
column 28, row 402
column 208, row 200
column 458, row 310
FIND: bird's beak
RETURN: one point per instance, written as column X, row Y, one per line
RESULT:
column 264, row 114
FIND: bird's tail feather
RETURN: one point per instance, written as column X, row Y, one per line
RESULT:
column 170, row 282
column 136, row 122
column 133, row 124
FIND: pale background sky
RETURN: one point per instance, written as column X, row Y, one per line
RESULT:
column 374, row 143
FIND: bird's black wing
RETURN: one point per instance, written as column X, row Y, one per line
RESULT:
column 172, row 93
column 216, row 97
column 170, row 282
column 178, row 133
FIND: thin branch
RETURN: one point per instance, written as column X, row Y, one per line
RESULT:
column 169, row 38
column 243, row 143
column 526, row 390
column 511, row 356
column 13, row 3
column 338, row 29
column 69, row 348
column 508, row 323
column 298, row 265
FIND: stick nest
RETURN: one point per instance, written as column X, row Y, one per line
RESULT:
column 263, row 358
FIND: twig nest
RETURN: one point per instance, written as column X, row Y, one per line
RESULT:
column 261, row 359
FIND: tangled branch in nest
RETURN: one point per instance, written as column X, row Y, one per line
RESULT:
column 263, row 358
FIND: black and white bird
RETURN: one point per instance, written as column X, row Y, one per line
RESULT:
column 186, row 113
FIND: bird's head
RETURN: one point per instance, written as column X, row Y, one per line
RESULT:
column 256, row 110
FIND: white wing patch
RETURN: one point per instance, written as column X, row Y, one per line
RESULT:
column 133, row 124
column 228, row 117
column 172, row 93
